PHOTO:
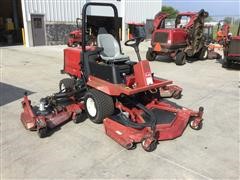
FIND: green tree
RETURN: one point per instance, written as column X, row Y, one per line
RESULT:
column 209, row 19
column 170, row 10
column 227, row 20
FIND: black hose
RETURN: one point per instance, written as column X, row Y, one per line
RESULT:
column 153, row 122
column 127, row 122
column 68, row 94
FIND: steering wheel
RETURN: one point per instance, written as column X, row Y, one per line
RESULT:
column 134, row 42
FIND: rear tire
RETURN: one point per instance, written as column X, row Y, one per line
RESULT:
column 180, row 58
column 66, row 85
column 98, row 105
column 226, row 63
column 150, row 56
column 203, row 53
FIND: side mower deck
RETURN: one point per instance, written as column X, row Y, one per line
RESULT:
column 170, row 123
column 52, row 112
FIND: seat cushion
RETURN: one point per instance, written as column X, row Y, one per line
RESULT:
column 118, row 58
column 111, row 49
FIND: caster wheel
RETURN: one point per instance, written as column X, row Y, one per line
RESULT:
column 42, row 132
column 198, row 127
column 201, row 109
column 149, row 147
column 131, row 146
column 80, row 118
column 177, row 95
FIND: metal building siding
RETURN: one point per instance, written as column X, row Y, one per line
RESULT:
column 69, row 10
column 105, row 11
column 55, row 10
column 140, row 10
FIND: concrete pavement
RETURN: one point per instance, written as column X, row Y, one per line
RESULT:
column 84, row 151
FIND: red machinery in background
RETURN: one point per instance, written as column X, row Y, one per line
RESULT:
column 136, row 30
column 123, row 95
column 222, row 35
column 184, row 40
column 75, row 37
column 232, row 50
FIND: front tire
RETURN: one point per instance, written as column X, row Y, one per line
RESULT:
column 203, row 53
column 98, row 105
column 150, row 56
column 66, row 85
column 180, row 58
column 226, row 63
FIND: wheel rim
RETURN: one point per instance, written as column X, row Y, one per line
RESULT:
column 63, row 88
column 205, row 54
column 192, row 125
column 91, row 107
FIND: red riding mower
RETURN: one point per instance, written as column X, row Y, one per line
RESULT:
column 185, row 40
column 232, row 50
column 75, row 37
column 109, row 88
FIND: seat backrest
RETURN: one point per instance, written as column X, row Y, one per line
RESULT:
column 108, row 43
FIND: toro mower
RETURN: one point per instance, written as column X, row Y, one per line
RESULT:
column 232, row 50
column 186, row 40
column 123, row 95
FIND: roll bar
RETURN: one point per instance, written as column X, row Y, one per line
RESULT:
column 84, row 11
column 238, row 32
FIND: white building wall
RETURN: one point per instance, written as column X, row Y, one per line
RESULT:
column 139, row 10
column 105, row 11
column 68, row 10
column 54, row 10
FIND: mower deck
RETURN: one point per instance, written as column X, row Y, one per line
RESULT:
column 171, row 122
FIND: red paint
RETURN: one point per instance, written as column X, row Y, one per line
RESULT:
column 126, row 135
column 143, row 74
column 59, row 116
column 176, row 38
column 72, row 59
column 75, row 37
column 118, row 89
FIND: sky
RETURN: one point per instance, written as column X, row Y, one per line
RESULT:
column 216, row 8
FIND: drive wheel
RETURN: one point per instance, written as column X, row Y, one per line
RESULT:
column 150, row 56
column 203, row 53
column 98, row 105
column 180, row 58
column 66, row 85
column 42, row 132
